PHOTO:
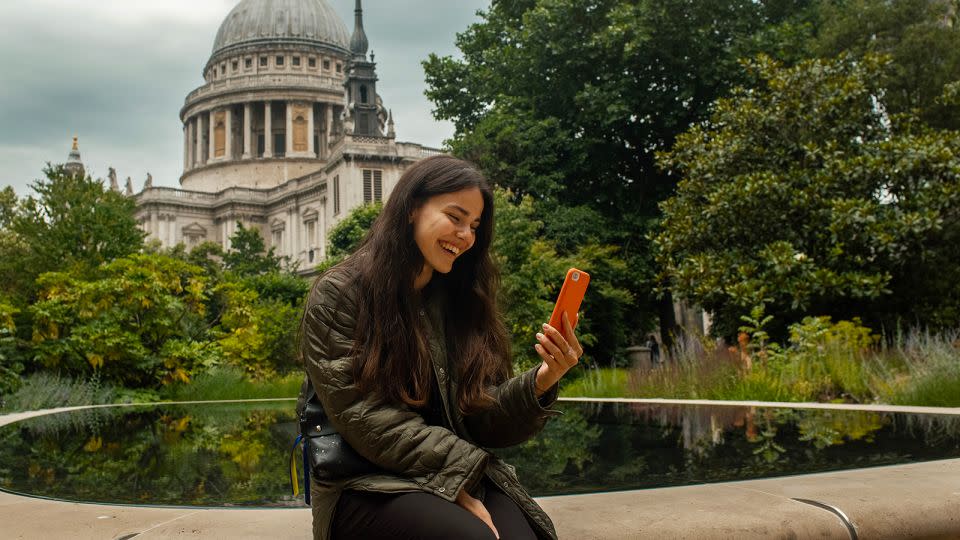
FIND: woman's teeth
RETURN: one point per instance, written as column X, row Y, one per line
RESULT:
column 450, row 247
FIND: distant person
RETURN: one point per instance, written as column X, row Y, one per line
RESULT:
column 654, row 350
column 411, row 363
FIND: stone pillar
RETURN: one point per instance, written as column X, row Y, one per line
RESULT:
column 186, row 146
column 311, row 149
column 171, row 230
column 228, row 134
column 247, row 127
column 324, row 131
column 198, row 132
column 289, row 129
column 322, row 229
column 224, row 237
column 298, row 243
column 267, row 130
column 211, row 148
column 328, row 118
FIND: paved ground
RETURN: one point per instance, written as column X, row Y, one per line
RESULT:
column 904, row 501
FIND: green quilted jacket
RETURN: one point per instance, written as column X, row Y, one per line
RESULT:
column 413, row 456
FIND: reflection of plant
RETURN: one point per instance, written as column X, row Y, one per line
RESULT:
column 566, row 444
column 767, row 447
column 832, row 428
column 204, row 455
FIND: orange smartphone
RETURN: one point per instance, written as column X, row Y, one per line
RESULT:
column 571, row 295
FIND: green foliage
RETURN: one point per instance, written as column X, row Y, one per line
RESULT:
column 70, row 221
column 10, row 368
column 598, row 383
column 139, row 323
column 568, row 100
column 49, row 390
column 227, row 382
column 919, row 37
column 345, row 237
column 257, row 335
column 532, row 271
column 8, row 206
column 247, row 255
column 798, row 194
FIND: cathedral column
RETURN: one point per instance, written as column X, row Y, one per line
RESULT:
column 267, row 130
column 297, row 239
column 329, row 133
column 228, row 134
column 172, row 230
column 247, row 126
column 322, row 228
column 186, row 146
column 211, row 148
column 289, row 129
column 198, row 133
column 324, row 130
column 310, row 134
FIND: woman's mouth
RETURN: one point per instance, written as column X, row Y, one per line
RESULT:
column 450, row 248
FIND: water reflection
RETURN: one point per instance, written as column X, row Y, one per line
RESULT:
column 236, row 454
column 615, row 446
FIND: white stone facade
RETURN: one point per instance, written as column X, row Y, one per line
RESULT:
column 269, row 139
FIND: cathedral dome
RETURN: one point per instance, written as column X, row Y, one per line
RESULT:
column 277, row 21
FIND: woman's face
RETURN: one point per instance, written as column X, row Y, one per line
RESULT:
column 444, row 228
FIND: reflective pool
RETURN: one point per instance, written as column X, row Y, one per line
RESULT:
column 237, row 454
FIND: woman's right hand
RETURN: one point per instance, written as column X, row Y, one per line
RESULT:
column 476, row 508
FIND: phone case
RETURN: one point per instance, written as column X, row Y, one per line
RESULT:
column 571, row 296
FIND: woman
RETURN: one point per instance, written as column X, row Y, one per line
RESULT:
column 411, row 363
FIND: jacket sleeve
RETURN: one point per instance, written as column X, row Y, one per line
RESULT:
column 516, row 415
column 393, row 437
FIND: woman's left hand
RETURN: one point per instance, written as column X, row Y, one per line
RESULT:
column 559, row 354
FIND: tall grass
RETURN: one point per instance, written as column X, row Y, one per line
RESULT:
column 231, row 383
column 915, row 368
column 47, row 391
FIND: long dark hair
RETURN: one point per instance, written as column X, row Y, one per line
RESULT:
column 391, row 347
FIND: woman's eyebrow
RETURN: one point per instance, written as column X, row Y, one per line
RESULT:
column 462, row 210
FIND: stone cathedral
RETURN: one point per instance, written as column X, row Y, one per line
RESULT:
column 286, row 135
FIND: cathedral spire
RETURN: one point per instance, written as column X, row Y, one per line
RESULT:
column 358, row 42
column 74, row 166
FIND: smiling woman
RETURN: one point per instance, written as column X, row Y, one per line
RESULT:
column 409, row 361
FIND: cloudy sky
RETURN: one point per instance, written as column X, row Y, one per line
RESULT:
column 116, row 73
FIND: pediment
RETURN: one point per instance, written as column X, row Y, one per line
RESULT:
column 278, row 225
column 194, row 229
column 310, row 215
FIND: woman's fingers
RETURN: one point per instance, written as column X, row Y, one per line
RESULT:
column 475, row 507
column 572, row 340
column 557, row 346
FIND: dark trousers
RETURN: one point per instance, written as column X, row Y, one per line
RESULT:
column 423, row 516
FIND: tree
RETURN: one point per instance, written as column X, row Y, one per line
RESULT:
column 248, row 255
column 568, row 100
column 799, row 194
column 10, row 368
column 70, row 221
column 345, row 237
column 140, row 322
column 920, row 36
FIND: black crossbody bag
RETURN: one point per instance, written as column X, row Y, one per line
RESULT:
column 325, row 454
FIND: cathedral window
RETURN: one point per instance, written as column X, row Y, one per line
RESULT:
column 363, row 93
column 336, row 195
column 296, row 61
column 214, row 73
column 372, row 185
column 235, row 66
column 223, row 68
column 339, row 67
column 263, row 61
column 279, row 61
column 326, row 64
column 247, row 63
column 312, row 62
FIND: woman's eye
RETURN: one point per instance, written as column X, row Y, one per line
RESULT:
column 453, row 218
